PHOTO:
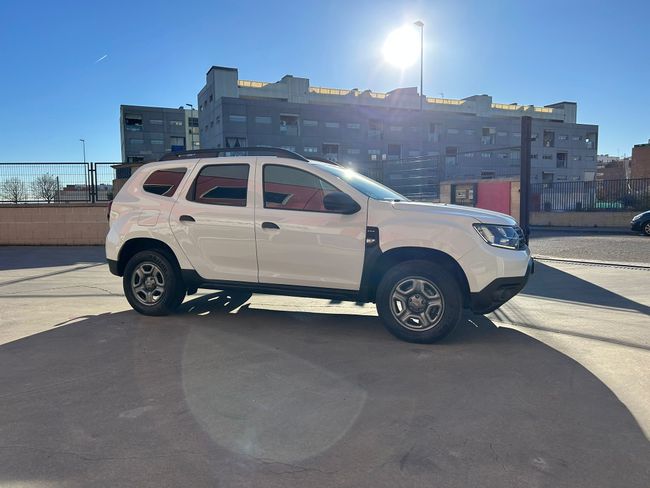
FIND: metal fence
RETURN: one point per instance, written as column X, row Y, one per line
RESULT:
column 56, row 182
column 417, row 178
column 590, row 196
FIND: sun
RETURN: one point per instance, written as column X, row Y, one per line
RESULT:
column 402, row 47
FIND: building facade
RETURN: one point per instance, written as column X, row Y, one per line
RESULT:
column 448, row 139
column 147, row 133
column 640, row 166
column 612, row 167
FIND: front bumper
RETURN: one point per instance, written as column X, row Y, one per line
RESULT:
column 499, row 291
column 636, row 226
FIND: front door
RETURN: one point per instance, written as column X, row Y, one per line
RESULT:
column 214, row 222
column 301, row 243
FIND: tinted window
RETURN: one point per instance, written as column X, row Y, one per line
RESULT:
column 365, row 185
column 164, row 182
column 293, row 189
column 224, row 184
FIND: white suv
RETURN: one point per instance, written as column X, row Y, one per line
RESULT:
column 283, row 224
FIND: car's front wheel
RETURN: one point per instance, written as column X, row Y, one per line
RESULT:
column 419, row 301
column 646, row 228
column 153, row 284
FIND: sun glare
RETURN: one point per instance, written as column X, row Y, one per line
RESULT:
column 402, row 47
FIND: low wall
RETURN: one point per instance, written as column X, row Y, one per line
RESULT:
column 582, row 219
column 53, row 224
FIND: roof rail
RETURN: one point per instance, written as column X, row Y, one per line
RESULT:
column 246, row 151
column 324, row 160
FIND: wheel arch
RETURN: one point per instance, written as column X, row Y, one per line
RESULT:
column 398, row 255
column 133, row 246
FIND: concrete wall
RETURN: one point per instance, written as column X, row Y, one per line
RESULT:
column 582, row 219
column 53, row 224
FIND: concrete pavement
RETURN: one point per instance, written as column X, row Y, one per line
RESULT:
column 549, row 391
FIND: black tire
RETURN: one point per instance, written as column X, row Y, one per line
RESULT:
column 646, row 228
column 165, row 271
column 442, row 298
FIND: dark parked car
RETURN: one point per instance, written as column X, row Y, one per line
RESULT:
column 641, row 223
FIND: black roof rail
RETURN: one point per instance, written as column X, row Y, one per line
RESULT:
column 246, row 151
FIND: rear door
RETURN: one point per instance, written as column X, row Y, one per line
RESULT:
column 214, row 221
column 299, row 242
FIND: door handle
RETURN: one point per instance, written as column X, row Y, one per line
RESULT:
column 186, row 218
column 269, row 225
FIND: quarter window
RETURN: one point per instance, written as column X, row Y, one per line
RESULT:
column 294, row 189
column 164, row 182
column 223, row 184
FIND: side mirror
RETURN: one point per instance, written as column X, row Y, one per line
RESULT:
column 340, row 202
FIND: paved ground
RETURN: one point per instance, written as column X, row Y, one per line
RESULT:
column 551, row 391
column 597, row 246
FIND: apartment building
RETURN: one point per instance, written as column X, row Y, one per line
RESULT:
column 380, row 133
column 148, row 133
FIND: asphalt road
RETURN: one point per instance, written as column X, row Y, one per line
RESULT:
column 597, row 246
column 550, row 391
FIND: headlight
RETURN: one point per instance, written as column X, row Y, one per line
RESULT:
column 505, row 236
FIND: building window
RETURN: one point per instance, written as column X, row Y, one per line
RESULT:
column 549, row 138
column 413, row 154
column 176, row 123
column 502, row 133
column 577, row 158
column 488, row 175
column 375, row 128
column 289, row 125
column 590, row 140
column 373, row 154
column 235, row 142
column 469, row 132
column 177, row 141
column 515, row 155
column 451, row 153
column 133, row 123
column 262, row 119
column 547, row 156
column 394, row 152
column 237, row 118
column 157, row 142
column 516, row 134
column 452, row 131
column 434, row 132
column 196, row 144
column 533, row 156
column 353, row 150
column 192, row 122
column 310, row 123
column 576, row 138
column 561, row 160
column 533, row 137
column 503, row 155
column 486, row 154
column 563, row 137
column 488, row 136
column 469, row 155
column 332, row 125
column 164, row 182
column 156, row 122
column 210, row 99
column 217, row 119
column 354, row 125
column 310, row 149
column 223, row 184
column 331, row 151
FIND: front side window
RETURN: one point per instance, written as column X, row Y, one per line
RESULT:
column 223, row 184
column 294, row 189
column 365, row 185
column 164, row 182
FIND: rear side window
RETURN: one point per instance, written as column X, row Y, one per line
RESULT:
column 223, row 184
column 164, row 182
column 294, row 189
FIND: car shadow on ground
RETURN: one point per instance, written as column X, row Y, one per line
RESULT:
column 551, row 282
column 27, row 257
column 268, row 398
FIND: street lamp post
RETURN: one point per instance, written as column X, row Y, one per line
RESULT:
column 420, row 24
column 191, row 127
column 83, row 145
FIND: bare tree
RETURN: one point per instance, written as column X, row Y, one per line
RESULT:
column 45, row 187
column 14, row 190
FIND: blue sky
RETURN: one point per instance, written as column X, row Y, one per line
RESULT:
column 55, row 91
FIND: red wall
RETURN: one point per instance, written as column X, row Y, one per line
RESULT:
column 494, row 195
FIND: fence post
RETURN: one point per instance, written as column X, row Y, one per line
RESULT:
column 524, row 180
column 93, row 182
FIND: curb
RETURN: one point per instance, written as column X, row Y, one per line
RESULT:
column 593, row 262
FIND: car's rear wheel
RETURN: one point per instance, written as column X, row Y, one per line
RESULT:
column 419, row 301
column 153, row 284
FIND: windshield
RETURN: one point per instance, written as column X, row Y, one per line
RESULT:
column 362, row 183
